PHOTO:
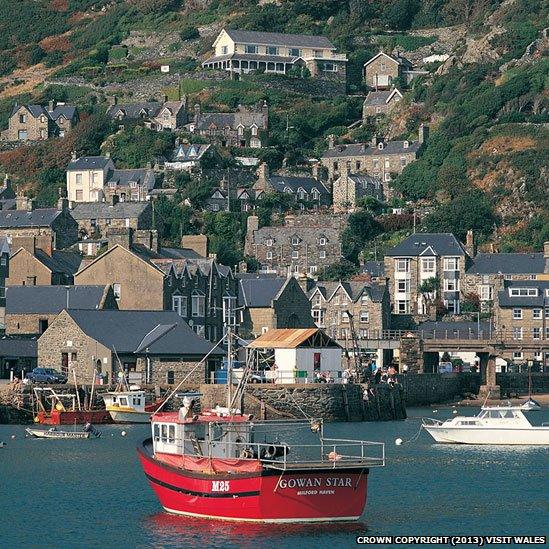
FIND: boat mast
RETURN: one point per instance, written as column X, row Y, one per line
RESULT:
column 229, row 357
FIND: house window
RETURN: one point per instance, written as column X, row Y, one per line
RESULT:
column 536, row 314
column 403, row 286
column 403, row 307
column 322, row 254
column 402, row 265
column 402, row 161
column 517, row 332
column 42, row 325
column 451, row 263
column 344, row 317
column 536, row 333
column 364, row 316
column 116, row 290
column 254, row 130
column 376, row 163
column 517, row 355
column 387, row 177
column 318, row 316
column 428, row 265
column 523, row 292
column 269, row 255
column 295, row 241
column 224, row 50
column 215, row 207
column 250, row 48
column 79, row 179
column 22, row 135
column 170, row 380
column 486, row 292
column 517, row 314
column 451, row 285
column 22, row 118
column 3, row 261
column 322, row 241
column 79, row 195
column 452, row 305
column 269, row 242
column 272, row 50
column 229, row 310
column 179, row 305
column 198, row 304
column 295, row 254
column 294, row 52
column 329, row 67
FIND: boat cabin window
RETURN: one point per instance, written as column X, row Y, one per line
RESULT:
column 164, row 432
column 508, row 414
column 136, row 401
column 467, row 422
column 123, row 401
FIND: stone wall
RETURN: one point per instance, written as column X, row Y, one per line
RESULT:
column 518, row 382
column 332, row 402
column 161, row 367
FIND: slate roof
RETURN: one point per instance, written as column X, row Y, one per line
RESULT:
column 60, row 261
column 483, row 263
column 230, row 119
column 366, row 182
column 283, row 235
column 143, row 177
column 280, row 182
column 51, row 299
column 103, row 210
column 397, row 58
column 35, row 110
column 364, row 149
column 375, row 98
column 89, row 163
column 354, row 289
column 18, row 347
column 279, row 39
column 162, row 332
column 541, row 300
column 441, row 244
column 68, row 111
column 42, row 217
column 133, row 110
column 259, row 291
column 189, row 152
column 375, row 268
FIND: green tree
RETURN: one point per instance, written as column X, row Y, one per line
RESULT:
column 343, row 270
column 361, row 227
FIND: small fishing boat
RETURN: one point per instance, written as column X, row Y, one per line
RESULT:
column 88, row 432
column 129, row 406
column 530, row 405
column 505, row 425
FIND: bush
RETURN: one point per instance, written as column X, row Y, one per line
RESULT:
column 189, row 33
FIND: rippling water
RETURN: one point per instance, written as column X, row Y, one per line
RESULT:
column 92, row 493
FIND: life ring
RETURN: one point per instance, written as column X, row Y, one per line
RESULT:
column 246, row 454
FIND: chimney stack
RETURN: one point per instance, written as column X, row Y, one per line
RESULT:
column 196, row 242
column 113, row 100
column 263, row 172
column 331, row 141
column 62, row 201
column 51, row 105
column 23, row 203
column 196, row 113
column 470, row 243
column 120, row 235
column 316, row 170
column 73, row 156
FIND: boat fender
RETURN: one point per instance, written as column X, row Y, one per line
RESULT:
column 36, row 419
column 247, row 453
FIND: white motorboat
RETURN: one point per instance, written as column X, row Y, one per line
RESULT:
column 129, row 406
column 506, row 425
column 89, row 431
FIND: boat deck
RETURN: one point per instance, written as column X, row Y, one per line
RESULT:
column 327, row 464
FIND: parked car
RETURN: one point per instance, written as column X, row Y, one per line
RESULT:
column 46, row 375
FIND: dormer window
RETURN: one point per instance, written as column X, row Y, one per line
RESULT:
column 240, row 130
column 133, row 184
column 295, row 241
column 254, row 130
column 322, row 241
column 380, row 146
column 406, row 144
column 523, row 292
column 269, row 242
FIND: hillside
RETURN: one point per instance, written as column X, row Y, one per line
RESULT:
column 484, row 166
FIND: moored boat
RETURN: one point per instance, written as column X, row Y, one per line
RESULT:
column 129, row 406
column 88, row 432
column 211, row 465
column 504, row 425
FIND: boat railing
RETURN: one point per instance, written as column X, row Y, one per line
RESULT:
column 429, row 421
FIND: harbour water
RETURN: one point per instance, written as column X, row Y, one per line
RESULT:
column 92, row 493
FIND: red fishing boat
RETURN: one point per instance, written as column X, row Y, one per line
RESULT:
column 65, row 409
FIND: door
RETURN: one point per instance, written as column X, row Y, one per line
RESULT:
column 65, row 364
column 316, row 362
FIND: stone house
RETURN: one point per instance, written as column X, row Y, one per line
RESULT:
column 95, row 179
column 332, row 303
column 37, row 123
column 36, row 263
column 522, row 317
column 244, row 128
column 25, row 223
column 350, row 188
column 18, row 355
column 424, row 259
column 484, row 276
column 244, row 51
column 308, row 192
column 198, row 289
column 270, row 302
column 383, row 70
column 31, row 309
column 158, row 344
column 305, row 244
column 379, row 158
column 156, row 115
column 380, row 103
column 96, row 218
column 225, row 199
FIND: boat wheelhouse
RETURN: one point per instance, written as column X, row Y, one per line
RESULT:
column 129, row 406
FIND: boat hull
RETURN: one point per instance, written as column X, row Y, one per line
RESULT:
column 130, row 417
column 57, row 417
column 320, row 495
column 57, row 434
column 483, row 435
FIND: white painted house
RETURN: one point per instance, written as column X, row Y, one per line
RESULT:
column 300, row 353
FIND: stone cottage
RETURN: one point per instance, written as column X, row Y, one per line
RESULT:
column 159, row 345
